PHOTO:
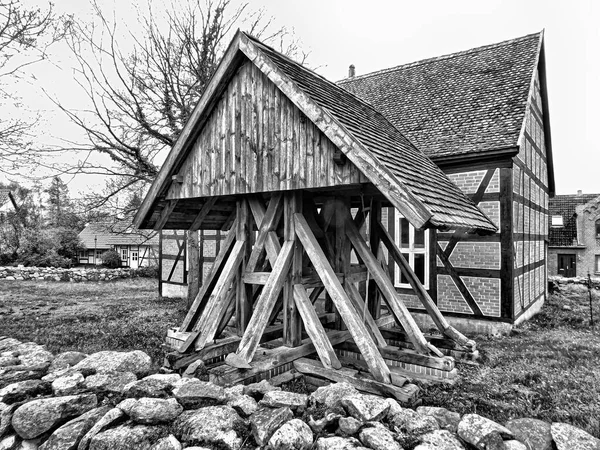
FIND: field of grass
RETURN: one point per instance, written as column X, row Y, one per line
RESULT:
column 548, row 368
column 89, row 317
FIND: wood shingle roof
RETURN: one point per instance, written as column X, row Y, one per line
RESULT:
column 463, row 103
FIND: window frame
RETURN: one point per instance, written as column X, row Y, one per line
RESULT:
column 597, row 223
column 558, row 217
column 411, row 250
column 124, row 254
column 597, row 264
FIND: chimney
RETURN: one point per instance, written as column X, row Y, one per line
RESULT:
column 580, row 192
column 351, row 71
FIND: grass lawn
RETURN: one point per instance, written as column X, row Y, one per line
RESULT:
column 548, row 368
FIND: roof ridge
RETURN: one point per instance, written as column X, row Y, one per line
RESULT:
column 439, row 58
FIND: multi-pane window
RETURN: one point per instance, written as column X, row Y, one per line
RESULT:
column 414, row 245
column 123, row 254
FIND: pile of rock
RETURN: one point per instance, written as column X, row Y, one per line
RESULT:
column 107, row 400
column 555, row 281
column 21, row 273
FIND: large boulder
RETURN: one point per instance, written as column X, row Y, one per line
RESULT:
column 265, row 421
column 338, row 443
column 244, row 405
column 22, row 390
column 331, row 396
column 211, row 426
column 32, row 354
column 258, row 390
column 278, row 399
column 39, row 416
column 127, row 437
column 8, row 344
column 149, row 411
column 65, row 360
column 135, row 361
column 169, row 442
column 447, row 420
column 14, row 374
column 378, row 438
column 439, row 440
column 197, row 393
column 480, row 432
column 532, row 432
column 293, row 435
column 366, row 408
column 70, row 434
column 114, row 415
column 155, row 386
column 109, row 383
column 568, row 437
column 67, row 384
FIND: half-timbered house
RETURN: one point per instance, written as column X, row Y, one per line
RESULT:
column 482, row 116
column 295, row 166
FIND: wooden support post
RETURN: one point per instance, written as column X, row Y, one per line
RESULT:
column 342, row 246
column 432, row 309
column 197, row 307
column 374, row 300
column 314, row 329
column 359, row 304
column 271, row 243
column 387, row 288
column 194, row 276
column 292, row 326
column 262, row 309
column 243, row 298
column 357, row 329
column 266, row 222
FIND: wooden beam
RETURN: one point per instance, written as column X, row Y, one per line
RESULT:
column 228, row 312
column 199, row 303
column 360, row 306
column 440, row 321
column 259, row 278
column 351, row 318
column 387, row 288
column 272, row 245
column 206, row 327
column 314, row 329
column 164, row 215
column 194, row 277
column 266, row 221
column 197, row 223
column 406, row 394
column 292, row 325
column 243, row 298
column 374, row 300
column 264, row 305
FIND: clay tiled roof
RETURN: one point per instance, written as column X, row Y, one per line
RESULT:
column 565, row 205
column 463, row 103
column 450, row 207
column 108, row 234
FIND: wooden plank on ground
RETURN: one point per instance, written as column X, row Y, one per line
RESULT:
column 199, row 303
column 265, row 303
column 387, row 288
column 314, row 329
column 343, row 304
column 432, row 309
column 407, row 394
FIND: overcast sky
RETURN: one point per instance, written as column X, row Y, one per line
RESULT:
column 377, row 34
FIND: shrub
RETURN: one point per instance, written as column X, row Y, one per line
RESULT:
column 150, row 271
column 7, row 258
column 111, row 259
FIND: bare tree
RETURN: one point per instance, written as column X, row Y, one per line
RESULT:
column 25, row 36
column 141, row 98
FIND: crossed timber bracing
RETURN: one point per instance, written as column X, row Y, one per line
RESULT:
column 277, row 260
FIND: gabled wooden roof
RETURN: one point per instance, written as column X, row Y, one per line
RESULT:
column 409, row 180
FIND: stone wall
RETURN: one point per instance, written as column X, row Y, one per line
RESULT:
column 107, row 401
column 58, row 274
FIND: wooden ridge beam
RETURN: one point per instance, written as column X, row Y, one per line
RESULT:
column 199, row 302
column 343, row 304
column 386, row 287
column 440, row 321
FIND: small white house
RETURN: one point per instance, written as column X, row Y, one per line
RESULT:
column 136, row 248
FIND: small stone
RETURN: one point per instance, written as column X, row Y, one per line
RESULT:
column 378, row 438
column 447, row 420
column 266, row 421
column 349, row 426
column 196, row 369
column 67, row 384
column 331, row 396
column 126, row 437
column 211, row 426
column 338, row 443
column 568, row 437
column 9, row 442
column 135, row 361
column 258, row 390
column 169, row 442
column 535, row 433
column 398, row 416
column 107, row 419
column 38, row 416
column 366, row 408
column 109, row 382
column 196, row 393
column 66, row 360
column 473, row 429
column 23, row 390
column 149, row 411
column 233, row 392
column 441, row 440
column 327, row 423
column 514, row 445
column 293, row 435
column 154, row 386
column 419, row 425
column 244, row 405
column 278, row 399
column 70, row 434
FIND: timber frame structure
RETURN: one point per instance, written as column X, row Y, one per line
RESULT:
column 298, row 170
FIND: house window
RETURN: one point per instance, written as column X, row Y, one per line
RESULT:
column 123, row 254
column 414, row 245
column 98, row 254
column 134, row 255
column 598, row 228
column 557, row 221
